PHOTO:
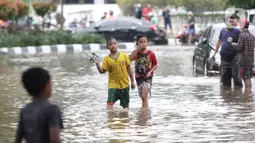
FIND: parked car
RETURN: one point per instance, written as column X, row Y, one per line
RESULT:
column 126, row 29
column 202, row 62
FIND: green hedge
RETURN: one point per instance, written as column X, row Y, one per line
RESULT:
column 38, row 38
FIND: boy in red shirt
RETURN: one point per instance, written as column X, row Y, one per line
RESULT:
column 145, row 65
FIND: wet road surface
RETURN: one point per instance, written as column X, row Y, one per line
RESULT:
column 182, row 108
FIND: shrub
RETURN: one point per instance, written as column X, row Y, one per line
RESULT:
column 43, row 8
column 12, row 10
column 23, row 9
column 37, row 38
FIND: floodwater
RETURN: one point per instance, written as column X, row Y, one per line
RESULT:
column 182, row 108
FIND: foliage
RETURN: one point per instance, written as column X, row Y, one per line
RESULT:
column 22, row 8
column 37, row 38
column 197, row 6
column 247, row 4
column 10, row 10
column 44, row 8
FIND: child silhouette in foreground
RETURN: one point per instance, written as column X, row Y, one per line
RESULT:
column 40, row 121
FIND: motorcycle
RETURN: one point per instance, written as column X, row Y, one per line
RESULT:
column 182, row 36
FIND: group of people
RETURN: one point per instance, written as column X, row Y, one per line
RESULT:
column 118, row 66
column 147, row 13
column 237, row 53
column 41, row 121
column 105, row 16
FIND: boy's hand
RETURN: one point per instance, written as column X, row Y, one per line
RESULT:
column 139, row 48
column 149, row 74
column 133, row 85
column 95, row 59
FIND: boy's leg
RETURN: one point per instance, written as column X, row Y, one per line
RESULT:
column 124, row 98
column 112, row 98
column 141, row 91
column 146, row 90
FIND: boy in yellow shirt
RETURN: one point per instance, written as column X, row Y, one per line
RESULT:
column 118, row 66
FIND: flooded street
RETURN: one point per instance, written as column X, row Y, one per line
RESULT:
column 183, row 108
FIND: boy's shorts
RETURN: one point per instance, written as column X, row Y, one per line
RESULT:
column 246, row 73
column 122, row 94
column 144, row 83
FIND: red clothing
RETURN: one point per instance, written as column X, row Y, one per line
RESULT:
column 144, row 62
column 145, row 12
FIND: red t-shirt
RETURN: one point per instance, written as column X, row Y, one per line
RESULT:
column 144, row 61
column 145, row 12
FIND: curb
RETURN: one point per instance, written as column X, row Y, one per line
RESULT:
column 73, row 48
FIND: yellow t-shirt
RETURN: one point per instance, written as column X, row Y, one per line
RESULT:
column 117, row 68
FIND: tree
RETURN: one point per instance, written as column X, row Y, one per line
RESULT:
column 44, row 8
column 248, row 4
column 22, row 10
column 8, row 10
column 197, row 6
column 12, row 10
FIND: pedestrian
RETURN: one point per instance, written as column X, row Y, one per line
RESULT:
column 166, row 18
column 146, row 12
column 118, row 66
column 145, row 65
column 40, row 121
column 138, row 13
column 110, row 16
column 229, row 58
column 245, row 48
column 191, row 26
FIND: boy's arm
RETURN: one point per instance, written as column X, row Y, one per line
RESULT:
column 19, row 132
column 54, row 135
column 130, row 72
column 155, row 65
column 133, row 55
column 55, row 124
column 99, row 68
column 18, row 139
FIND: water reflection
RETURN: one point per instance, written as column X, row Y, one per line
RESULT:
column 143, row 115
column 236, row 95
column 118, row 119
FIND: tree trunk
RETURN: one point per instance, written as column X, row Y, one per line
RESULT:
column 16, row 21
